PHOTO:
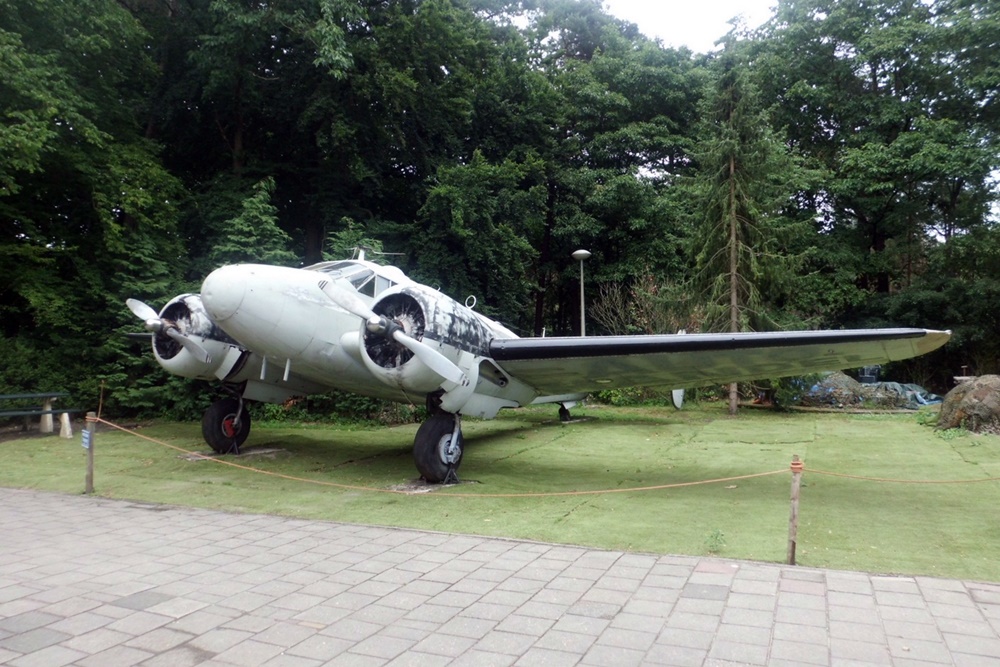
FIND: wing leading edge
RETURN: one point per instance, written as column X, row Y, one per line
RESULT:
column 583, row 364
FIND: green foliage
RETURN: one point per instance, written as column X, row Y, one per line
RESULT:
column 141, row 145
column 254, row 234
column 633, row 396
column 336, row 407
column 744, row 181
column 715, row 542
column 345, row 242
column 786, row 392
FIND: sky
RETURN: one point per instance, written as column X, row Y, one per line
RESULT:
column 696, row 24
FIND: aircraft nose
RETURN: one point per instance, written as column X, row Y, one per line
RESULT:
column 223, row 290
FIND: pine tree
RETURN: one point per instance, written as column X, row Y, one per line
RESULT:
column 745, row 177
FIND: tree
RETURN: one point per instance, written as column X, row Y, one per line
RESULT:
column 744, row 178
column 869, row 90
column 87, row 212
column 254, row 235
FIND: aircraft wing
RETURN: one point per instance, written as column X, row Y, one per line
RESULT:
column 585, row 364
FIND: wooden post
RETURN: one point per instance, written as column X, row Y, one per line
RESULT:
column 89, row 440
column 793, row 519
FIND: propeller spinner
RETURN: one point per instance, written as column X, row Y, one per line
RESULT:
column 157, row 325
column 382, row 326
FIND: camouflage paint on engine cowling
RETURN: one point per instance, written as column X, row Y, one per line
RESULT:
column 436, row 320
column 451, row 323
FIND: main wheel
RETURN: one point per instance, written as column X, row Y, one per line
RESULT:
column 220, row 428
column 434, row 453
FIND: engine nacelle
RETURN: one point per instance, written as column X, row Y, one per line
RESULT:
column 187, row 314
column 427, row 316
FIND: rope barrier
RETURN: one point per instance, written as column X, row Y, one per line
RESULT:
column 351, row 487
column 797, row 466
column 905, row 481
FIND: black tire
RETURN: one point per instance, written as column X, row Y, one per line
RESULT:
column 430, row 447
column 219, row 430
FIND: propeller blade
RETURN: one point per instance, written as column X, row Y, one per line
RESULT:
column 433, row 359
column 141, row 310
column 197, row 350
column 347, row 300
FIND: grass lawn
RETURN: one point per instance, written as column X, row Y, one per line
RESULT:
column 933, row 529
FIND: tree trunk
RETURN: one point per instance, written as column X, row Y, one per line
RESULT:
column 734, row 304
column 543, row 258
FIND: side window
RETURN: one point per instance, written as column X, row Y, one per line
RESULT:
column 382, row 284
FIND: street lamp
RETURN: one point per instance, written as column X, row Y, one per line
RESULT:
column 581, row 255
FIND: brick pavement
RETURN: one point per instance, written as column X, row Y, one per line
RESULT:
column 102, row 583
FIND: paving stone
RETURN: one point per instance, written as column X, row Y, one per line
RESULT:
column 507, row 643
column 699, row 622
column 473, row 658
column 981, row 646
column 800, row 653
column 450, row 646
column 738, row 652
column 686, row 638
column 249, row 653
column 116, row 656
column 612, row 655
column 141, row 600
column 50, row 656
column 473, row 628
column 27, row 621
column 97, row 640
column 848, row 650
column 159, row 640
column 181, row 587
column 320, row 647
column 917, row 649
column 758, row 618
column 705, row 591
column 542, row 657
column 33, row 640
column 565, row 641
column 675, row 656
column 525, row 625
column 744, row 634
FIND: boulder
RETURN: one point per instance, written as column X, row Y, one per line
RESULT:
column 974, row 404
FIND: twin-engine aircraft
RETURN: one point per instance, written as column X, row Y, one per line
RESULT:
column 272, row 333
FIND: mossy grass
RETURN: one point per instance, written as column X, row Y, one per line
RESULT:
column 912, row 528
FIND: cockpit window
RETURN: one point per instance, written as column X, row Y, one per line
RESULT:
column 341, row 269
column 365, row 280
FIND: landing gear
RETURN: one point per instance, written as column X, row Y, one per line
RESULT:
column 225, row 426
column 437, row 448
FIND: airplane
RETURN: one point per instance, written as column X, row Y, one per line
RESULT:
column 273, row 333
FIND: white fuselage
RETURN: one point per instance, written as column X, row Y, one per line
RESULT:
column 293, row 340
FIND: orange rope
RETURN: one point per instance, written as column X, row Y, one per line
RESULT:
column 797, row 466
column 450, row 495
column 906, row 481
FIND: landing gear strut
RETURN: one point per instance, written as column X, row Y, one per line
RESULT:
column 226, row 425
column 437, row 448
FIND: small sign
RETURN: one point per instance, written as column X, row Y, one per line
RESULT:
column 86, row 438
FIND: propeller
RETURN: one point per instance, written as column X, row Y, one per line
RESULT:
column 433, row 359
column 157, row 325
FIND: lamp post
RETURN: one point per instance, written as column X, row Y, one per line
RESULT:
column 581, row 255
